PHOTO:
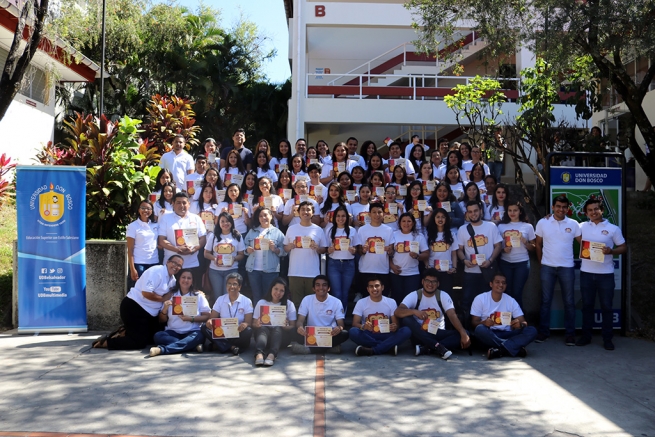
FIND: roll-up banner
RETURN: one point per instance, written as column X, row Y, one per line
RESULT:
column 51, row 207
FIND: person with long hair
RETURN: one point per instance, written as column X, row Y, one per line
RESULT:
column 472, row 194
column 377, row 183
column 426, row 178
column 342, row 246
column 263, row 146
column 518, row 240
column 361, row 207
column 465, row 152
column 283, row 156
column 248, row 186
column 311, row 156
column 452, row 159
column 366, row 151
column 496, row 208
column 340, row 163
column 476, row 158
column 264, row 248
column 390, row 217
column 269, row 338
column 205, row 208
column 233, row 165
column 413, row 204
column 317, row 191
column 400, row 181
column 410, row 249
column 212, row 178
column 335, row 198
column 262, row 167
column 298, row 166
column 224, row 248
column 284, row 183
column 142, row 242
column 165, row 203
column 455, row 182
column 358, row 175
column 323, row 149
column 376, row 165
column 235, row 206
column 263, row 197
column 182, row 332
column 444, row 198
column 417, row 156
column 162, row 178
column 443, row 248
column 477, row 176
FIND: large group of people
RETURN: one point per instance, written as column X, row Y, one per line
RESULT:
column 393, row 233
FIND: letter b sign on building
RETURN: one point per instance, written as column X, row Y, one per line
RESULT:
column 319, row 11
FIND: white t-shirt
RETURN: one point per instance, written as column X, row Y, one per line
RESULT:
column 410, row 146
column 290, row 210
column 486, row 235
column 368, row 310
column 169, row 223
column 206, row 208
column 319, row 313
column 401, row 256
column 238, row 309
column 357, row 208
column 431, row 306
column 334, row 206
column 354, row 241
column 167, row 209
column 224, row 245
column 440, row 250
column 231, row 170
column 304, row 263
column 276, row 162
column 239, row 222
column 291, row 309
column 270, row 173
column 468, row 165
column 175, row 323
column 558, row 239
column 325, row 171
column 156, row 280
column 178, row 165
column 517, row 254
column 495, row 212
column 603, row 232
column 145, row 241
column 197, row 184
column 375, row 262
column 483, row 306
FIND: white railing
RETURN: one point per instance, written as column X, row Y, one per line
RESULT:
column 416, row 81
column 369, row 64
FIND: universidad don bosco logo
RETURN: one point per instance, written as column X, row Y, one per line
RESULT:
column 53, row 203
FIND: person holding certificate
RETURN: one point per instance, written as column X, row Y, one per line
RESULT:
column 229, row 326
column 601, row 240
column 444, row 198
column 442, row 243
column 183, row 314
column 375, row 327
column 274, row 316
column 343, row 242
column 142, row 242
column 376, row 247
column 410, row 249
column 320, row 324
column 224, row 249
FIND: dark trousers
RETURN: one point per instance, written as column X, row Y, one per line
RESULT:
column 336, row 341
column 448, row 338
column 140, row 327
column 224, row 345
column 270, row 339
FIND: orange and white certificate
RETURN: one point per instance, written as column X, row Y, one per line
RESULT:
column 318, row 336
column 273, row 315
column 186, row 236
column 225, row 328
column 381, row 326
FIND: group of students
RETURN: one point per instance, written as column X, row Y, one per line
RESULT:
column 374, row 218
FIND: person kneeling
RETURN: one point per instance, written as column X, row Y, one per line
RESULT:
column 421, row 311
column 182, row 332
column 321, row 311
column 499, row 323
column 380, row 332
column 232, row 305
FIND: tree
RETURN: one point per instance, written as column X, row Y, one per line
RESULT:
column 34, row 12
column 610, row 33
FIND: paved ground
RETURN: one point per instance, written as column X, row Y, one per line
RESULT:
column 57, row 384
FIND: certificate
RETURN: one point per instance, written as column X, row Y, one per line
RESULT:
column 303, row 242
column 153, row 197
column 402, row 190
column 266, row 202
column 515, row 240
column 224, row 260
column 207, row 218
column 379, row 247
column 318, row 336
column 189, row 305
column 364, row 217
column 190, row 188
column 381, row 326
column 187, row 237
column 413, row 246
column 211, row 158
column 420, row 205
column 235, row 210
column 318, row 190
column 444, row 205
column 220, row 196
column 225, row 328
column 432, row 325
column 280, row 167
column 273, row 315
column 392, row 208
column 442, row 265
column 284, row 193
column 233, row 179
column 339, row 167
column 502, row 318
column 379, row 191
column 262, row 243
column 478, row 258
column 342, row 244
column 350, row 195
column 592, row 251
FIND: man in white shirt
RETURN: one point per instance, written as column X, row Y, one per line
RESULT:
column 352, row 152
column 178, row 162
column 291, row 208
column 444, row 146
column 489, row 245
column 499, row 323
column 304, row 243
column 555, row 237
column 375, row 327
column 597, row 273
column 424, row 312
column 183, row 233
column 371, row 263
column 301, row 147
column 320, row 310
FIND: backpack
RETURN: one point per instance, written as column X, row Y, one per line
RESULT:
column 419, row 296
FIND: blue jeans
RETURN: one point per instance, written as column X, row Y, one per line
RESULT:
column 495, row 169
column 516, row 275
column 603, row 285
column 340, row 273
column 224, row 345
column 260, row 282
column 140, row 268
column 171, row 342
column 449, row 338
column 380, row 343
column 566, row 278
column 512, row 340
column 401, row 286
column 217, row 278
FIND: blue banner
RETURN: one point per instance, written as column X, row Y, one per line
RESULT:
column 51, row 207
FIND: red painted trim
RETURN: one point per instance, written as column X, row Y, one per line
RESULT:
column 319, row 397
column 9, row 22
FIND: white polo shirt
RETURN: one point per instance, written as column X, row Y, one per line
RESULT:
column 145, row 241
column 238, row 309
column 558, row 239
column 319, row 313
column 170, row 222
column 603, row 232
column 178, row 165
column 156, row 280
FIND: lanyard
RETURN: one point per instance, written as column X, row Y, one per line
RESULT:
column 236, row 309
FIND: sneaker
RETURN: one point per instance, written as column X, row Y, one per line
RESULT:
column 259, row 361
column 199, row 348
column 299, row 349
column 358, row 297
column 494, row 353
column 541, row 338
column 394, row 351
column 235, row 350
column 522, row 353
column 421, row 350
column 442, row 351
column 154, row 351
column 570, row 341
column 583, row 341
column 268, row 362
column 336, row 350
column 362, row 351
column 608, row 345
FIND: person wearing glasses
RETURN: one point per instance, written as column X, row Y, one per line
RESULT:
column 142, row 242
column 140, row 308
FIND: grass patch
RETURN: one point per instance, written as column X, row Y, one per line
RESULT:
column 8, row 226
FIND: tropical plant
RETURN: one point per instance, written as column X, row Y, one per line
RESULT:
column 167, row 117
column 6, row 186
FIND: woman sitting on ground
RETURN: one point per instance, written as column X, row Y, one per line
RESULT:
column 182, row 333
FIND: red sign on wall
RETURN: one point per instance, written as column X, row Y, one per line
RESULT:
column 319, row 11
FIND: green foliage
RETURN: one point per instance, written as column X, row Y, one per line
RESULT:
column 167, row 117
column 120, row 170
